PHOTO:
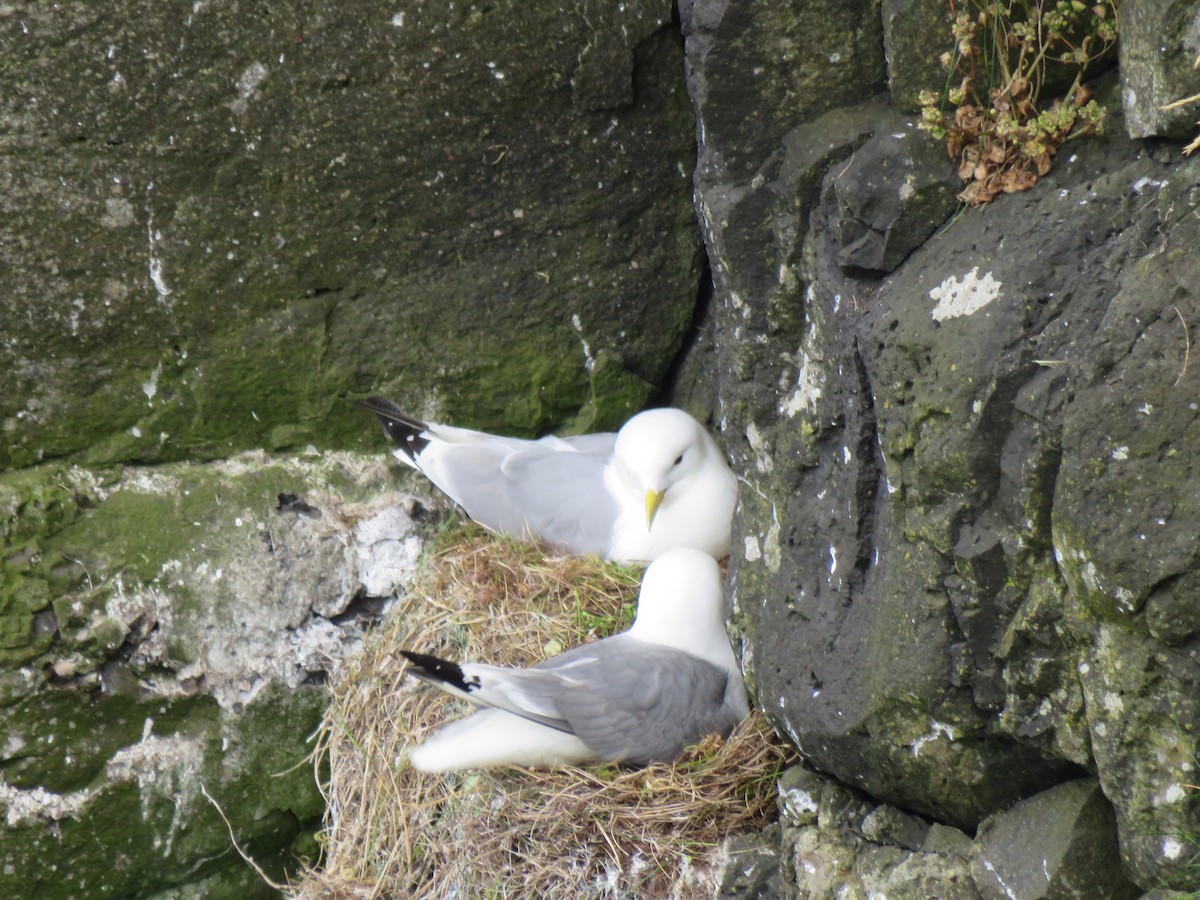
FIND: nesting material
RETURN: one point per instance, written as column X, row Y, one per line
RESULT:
column 579, row 832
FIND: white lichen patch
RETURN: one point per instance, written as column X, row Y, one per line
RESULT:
column 589, row 361
column 248, row 84
column 807, row 390
column 118, row 213
column 150, row 385
column 955, row 298
column 156, row 269
column 1174, row 793
column 1125, row 599
column 802, row 394
column 752, row 552
column 762, row 457
column 386, row 551
column 25, row 805
column 1171, row 848
column 13, row 744
column 797, row 805
column 771, row 549
column 1120, row 454
column 936, row 730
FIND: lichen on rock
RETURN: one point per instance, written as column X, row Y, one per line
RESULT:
column 196, row 613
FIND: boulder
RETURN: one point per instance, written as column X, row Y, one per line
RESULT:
column 964, row 546
column 1059, row 843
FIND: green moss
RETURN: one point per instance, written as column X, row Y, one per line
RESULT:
column 15, row 630
column 37, row 502
column 68, row 736
column 158, row 826
column 616, row 394
column 333, row 242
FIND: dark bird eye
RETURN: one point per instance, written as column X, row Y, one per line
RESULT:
column 678, row 460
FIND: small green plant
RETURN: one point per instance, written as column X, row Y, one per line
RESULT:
column 998, row 127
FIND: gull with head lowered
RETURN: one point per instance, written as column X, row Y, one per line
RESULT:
column 638, row 697
column 658, row 483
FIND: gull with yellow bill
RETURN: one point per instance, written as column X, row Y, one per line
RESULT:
column 639, row 697
column 659, row 483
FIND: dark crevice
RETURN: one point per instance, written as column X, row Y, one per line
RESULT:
column 869, row 478
column 363, row 610
column 292, row 503
column 691, row 338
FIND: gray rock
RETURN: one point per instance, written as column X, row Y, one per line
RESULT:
column 1142, row 701
column 800, row 791
column 1159, row 46
column 226, row 219
column 947, row 841
column 892, row 195
column 888, row 825
column 963, row 532
column 848, row 847
column 1059, row 843
column 753, row 867
column 915, row 35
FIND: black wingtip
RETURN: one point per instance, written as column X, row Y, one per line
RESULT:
column 407, row 432
column 431, row 668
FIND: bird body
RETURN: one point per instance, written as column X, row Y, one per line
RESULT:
column 637, row 697
column 658, row 483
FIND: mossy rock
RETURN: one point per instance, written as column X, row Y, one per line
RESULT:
column 231, row 221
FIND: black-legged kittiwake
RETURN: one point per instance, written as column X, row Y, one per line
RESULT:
column 659, row 482
column 637, row 697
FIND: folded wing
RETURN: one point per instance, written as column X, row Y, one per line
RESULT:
column 627, row 700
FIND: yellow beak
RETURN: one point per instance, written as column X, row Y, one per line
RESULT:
column 653, row 501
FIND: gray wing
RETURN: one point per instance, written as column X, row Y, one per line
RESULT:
column 640, row 703
column 537, row 488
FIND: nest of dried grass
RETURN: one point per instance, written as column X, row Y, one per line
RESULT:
column 580, row 832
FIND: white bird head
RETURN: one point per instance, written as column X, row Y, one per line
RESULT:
column 682, row 605
column 659, row 448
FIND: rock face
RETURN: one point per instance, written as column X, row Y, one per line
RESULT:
column 832, row 842
column 967, row 551
column 966, row 571
column 167, row 632
column 225, row 218
column 1059, row 843
column 1160, row 44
